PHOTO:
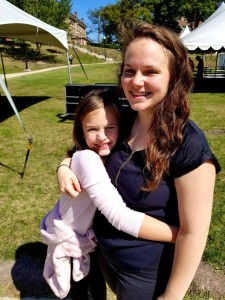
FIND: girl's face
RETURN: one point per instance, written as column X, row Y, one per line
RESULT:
column 146, row 74
column 101, row 130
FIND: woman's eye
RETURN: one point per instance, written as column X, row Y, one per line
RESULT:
column 128, row 72
column 150, row 72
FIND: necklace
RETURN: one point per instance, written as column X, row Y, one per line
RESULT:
column 121, row 167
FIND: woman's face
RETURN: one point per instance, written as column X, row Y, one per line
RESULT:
column 101, row 130
column 145, row 75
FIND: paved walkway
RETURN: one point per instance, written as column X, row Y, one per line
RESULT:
column 29, row 72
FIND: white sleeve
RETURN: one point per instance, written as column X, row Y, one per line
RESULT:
column 92, row 175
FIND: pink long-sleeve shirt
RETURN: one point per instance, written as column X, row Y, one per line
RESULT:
column 67, row 228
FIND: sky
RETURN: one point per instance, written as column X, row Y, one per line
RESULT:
column 82, row 6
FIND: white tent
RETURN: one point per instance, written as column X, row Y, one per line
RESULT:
column 185, row 32
column 210, row 34
column 16, row 23
column 218, row 11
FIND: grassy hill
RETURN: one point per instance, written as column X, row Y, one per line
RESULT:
column 17, row 57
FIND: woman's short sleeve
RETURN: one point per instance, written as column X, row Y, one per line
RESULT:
column 193, row 152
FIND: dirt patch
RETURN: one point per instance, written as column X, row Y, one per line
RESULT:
column 7, row 288
column 210, row 280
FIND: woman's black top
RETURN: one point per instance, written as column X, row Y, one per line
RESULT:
column 126, row 170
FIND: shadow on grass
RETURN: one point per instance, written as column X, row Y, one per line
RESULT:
column 28, row 269
column 21, row 52
column 21, row 103
column 27, row 272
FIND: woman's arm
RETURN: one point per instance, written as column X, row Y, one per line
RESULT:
column 195, row 197
column 96, row 183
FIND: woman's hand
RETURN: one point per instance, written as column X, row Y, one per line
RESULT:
column 168, row 297
column 161, row 298
column 67, row 180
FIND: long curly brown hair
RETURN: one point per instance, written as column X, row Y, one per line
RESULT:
column 171, row 114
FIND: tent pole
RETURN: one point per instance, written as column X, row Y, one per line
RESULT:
column 8, row 96
column 69, row 70
column 30, row 140
column 216, row 63
column 3, row 68
column 80, row 62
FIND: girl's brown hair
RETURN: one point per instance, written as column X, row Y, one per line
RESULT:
column 95, row 99
column 171, row 114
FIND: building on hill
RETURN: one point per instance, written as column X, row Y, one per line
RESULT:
column 77, row 30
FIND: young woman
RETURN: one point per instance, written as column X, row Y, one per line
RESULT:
column 67, row 228
column 164, row 167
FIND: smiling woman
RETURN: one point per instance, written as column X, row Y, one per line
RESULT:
column 145, row 75
column 163, row 167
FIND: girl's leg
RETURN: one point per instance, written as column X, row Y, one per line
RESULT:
column 79, row 289
column 96, row 280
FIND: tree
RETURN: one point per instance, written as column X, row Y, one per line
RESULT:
column 124, row 11
column 97, row 21
column 51, row 12
column 162, row 12
column 166, row 13
column 62, row 13
column 110, row 19
column 196, row 11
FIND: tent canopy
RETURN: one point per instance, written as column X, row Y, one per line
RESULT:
column 15, row 23
column 210, row 34
column 220, row 9
column 185, row 32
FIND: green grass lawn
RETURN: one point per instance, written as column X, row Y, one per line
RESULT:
column 14, row 57
column 39, row 99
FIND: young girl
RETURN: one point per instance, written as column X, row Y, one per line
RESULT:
column 67, row 228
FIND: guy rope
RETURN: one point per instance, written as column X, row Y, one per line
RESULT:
column 20, row 120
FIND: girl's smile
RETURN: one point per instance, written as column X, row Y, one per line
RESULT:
column 101, row 130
